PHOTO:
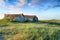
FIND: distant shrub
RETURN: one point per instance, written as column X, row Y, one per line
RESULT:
column 4, row 22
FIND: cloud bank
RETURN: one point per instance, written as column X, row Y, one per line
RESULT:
column 17, row 5
column 20, row 3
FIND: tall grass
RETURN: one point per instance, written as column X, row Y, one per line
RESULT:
column 29, row 31
column 35, row 33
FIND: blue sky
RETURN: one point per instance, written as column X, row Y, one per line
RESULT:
column 43, row 9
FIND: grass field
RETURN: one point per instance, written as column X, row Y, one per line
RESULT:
column 50, row 21
column 29, row 31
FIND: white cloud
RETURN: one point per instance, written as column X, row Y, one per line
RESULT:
column 23, row 2
column 2, row 3
column 34, row 2
column 20, row 3
column 13, row 8
column 17, row 3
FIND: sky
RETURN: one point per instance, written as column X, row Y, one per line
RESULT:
column 43, row 9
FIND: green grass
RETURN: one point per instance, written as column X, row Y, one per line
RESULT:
column 50, row 21
column 4, row 22
column 56, row 22
column 30, row 31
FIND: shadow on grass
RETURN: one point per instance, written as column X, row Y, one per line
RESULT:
column 1, row 37
column 3, row 25
column 39, row 22
column 15, row 22
column 55, row 23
